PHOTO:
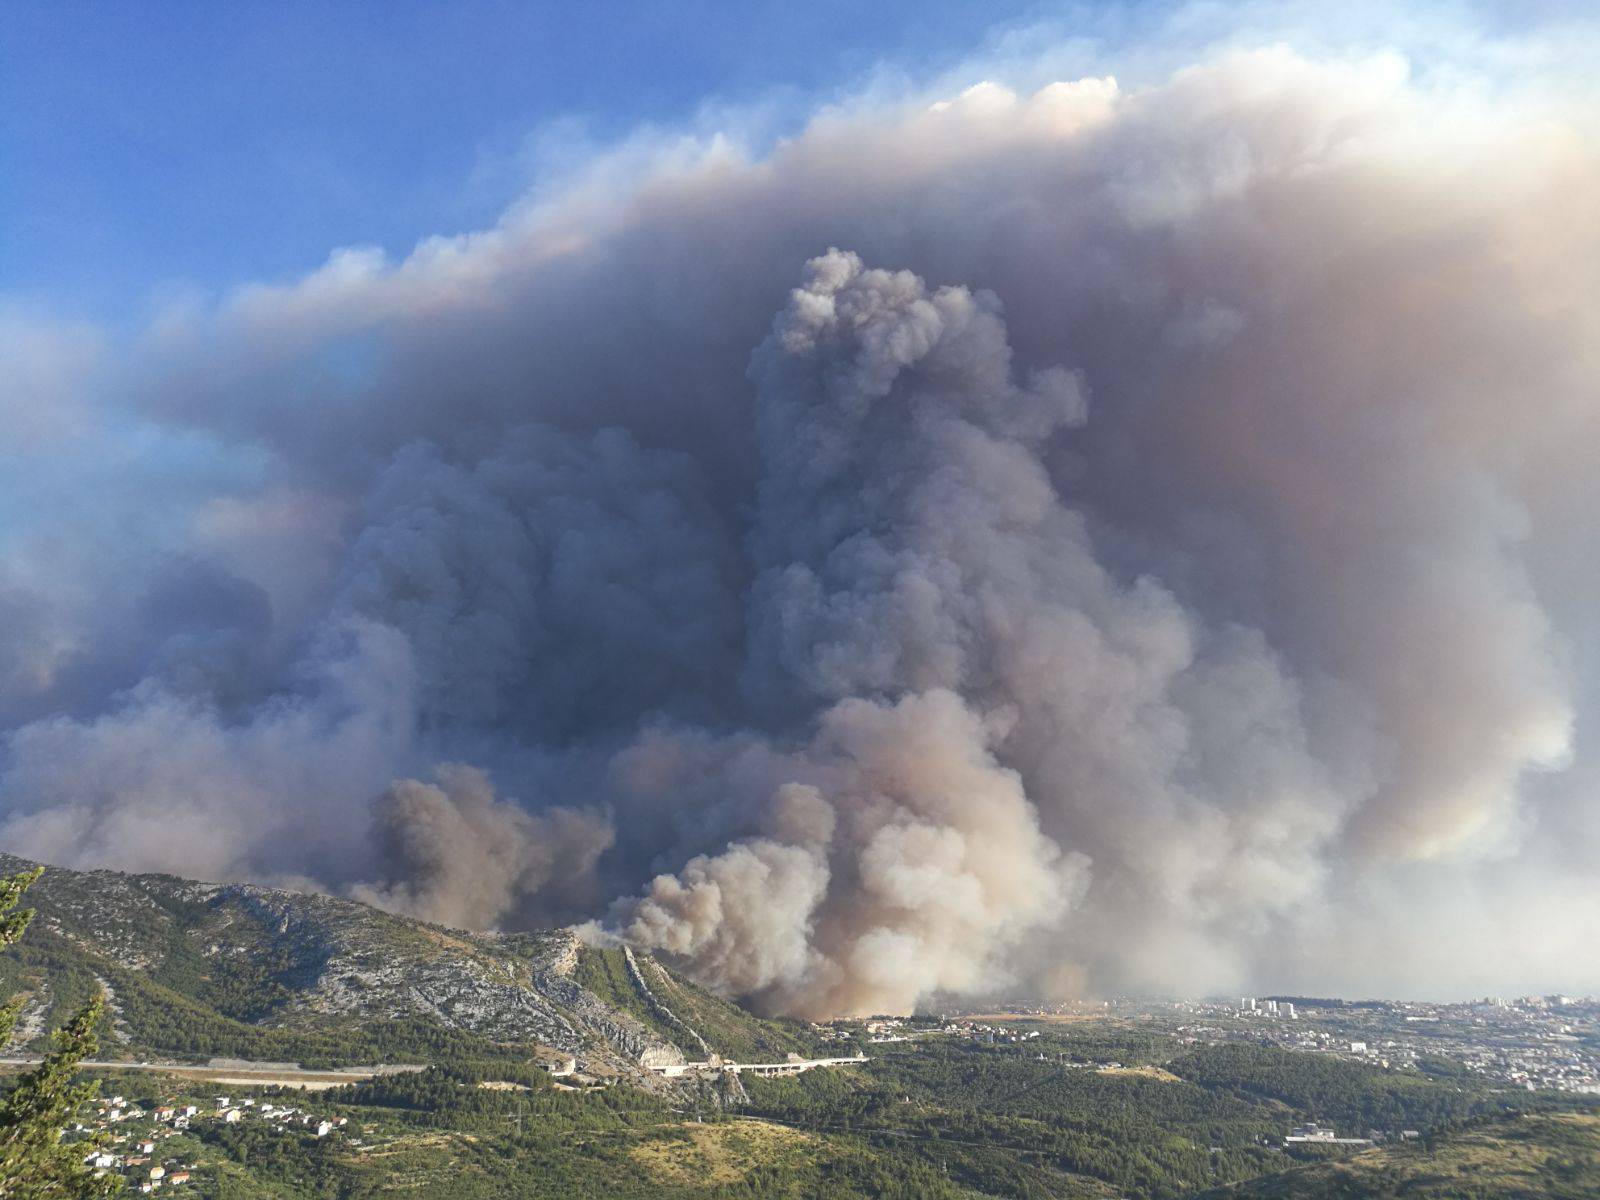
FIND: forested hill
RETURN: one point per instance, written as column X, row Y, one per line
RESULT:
column 200, row 970
column 1548, row 1156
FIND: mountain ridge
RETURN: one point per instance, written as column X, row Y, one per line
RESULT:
column 198, row 970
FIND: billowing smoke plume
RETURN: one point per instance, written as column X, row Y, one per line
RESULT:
column 1102, row 538
column 452, row 852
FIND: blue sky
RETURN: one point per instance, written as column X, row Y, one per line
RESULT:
column 151, row 149
column 148, row 148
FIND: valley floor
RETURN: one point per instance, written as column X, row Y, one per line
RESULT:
column 931, row 1119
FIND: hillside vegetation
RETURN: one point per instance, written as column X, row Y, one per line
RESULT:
column 1553, row 1156
column 1003, row 1121
column 197, row 970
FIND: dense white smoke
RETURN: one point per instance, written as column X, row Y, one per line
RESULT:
column 1100, row 538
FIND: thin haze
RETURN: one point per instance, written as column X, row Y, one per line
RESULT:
column 1056, row 539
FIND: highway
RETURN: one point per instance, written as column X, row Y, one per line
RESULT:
column 241, row 1073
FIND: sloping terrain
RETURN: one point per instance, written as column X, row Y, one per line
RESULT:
column 1554, row 1156
column 199, row 970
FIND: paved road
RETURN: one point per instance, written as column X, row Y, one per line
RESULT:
column 240, row 1071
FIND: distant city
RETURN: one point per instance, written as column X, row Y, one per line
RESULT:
column 1532, row 1042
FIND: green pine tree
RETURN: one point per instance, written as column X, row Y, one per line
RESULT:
column 12, row 925
column 34, row 1163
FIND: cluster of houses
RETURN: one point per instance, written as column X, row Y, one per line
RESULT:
column 879, row 1030
column 280, row 1116
column 137, row 1155
column 134, row 1155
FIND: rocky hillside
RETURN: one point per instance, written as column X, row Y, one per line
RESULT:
column 202, row 970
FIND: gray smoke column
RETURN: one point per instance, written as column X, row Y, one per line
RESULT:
column 1108, row 537
column 900, row 485
column 452, row 852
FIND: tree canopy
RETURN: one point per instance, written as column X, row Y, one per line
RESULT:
column 34, row 1162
